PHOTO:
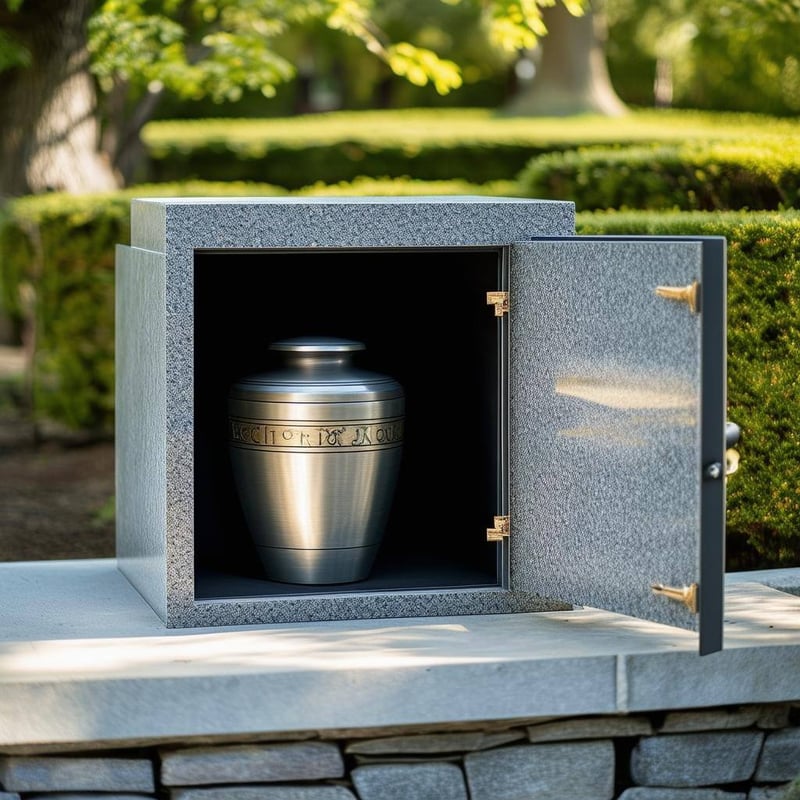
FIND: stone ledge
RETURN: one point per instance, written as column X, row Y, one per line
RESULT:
column 84, row 659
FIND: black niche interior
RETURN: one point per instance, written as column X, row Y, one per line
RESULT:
column 423, row 317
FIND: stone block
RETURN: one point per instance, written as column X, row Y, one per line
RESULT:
column 607, row 727
column 409, row 782
column 434, row 743
column 662, row 793
column 263, row 793
column 710, row 720
column 774, row 716
column 302, row 761
column 696, row 759
column 65, row 774
column 780, row 758
column 774, row 792
column 577, row 770
column 87, row 796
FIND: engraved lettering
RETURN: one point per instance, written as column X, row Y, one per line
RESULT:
column 356, row 435
column 389, row 433
column 333, row 436
column 246, row 433
column 362, row 436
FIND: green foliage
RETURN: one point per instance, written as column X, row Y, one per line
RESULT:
column 476, row 144
column 763, row 368
column 404, row 187
column 762, row 173
column 736, row 55
column 220, row 49
column 792, row 791
column 12, row 52
column 57, row 276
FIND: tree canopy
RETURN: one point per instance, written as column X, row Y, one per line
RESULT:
column 135, row 51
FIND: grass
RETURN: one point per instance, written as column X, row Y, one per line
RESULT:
column 412, row 128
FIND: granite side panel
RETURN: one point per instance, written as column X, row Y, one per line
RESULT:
column 148, row 225
column 140, row 423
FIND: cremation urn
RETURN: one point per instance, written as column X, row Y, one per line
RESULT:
column 315, row 447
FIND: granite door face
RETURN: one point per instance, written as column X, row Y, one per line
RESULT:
column 616, row 418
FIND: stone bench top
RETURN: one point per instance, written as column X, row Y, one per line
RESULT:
column 83, row 658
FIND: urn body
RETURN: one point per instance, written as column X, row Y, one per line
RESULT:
column 315, row 448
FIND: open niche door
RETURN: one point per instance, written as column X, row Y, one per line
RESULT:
column 616, row 358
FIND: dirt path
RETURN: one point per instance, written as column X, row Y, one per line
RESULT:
column 56, row 499
column 57, row 495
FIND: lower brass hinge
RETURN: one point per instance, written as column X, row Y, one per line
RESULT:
column 500, row 302
column 501, row 530
column 685, row 594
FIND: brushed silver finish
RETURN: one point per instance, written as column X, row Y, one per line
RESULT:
column 315, row 448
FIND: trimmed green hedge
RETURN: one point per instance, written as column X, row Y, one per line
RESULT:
column 57, row 278
column 62, row 249
column 477, row 145
column 757, row 174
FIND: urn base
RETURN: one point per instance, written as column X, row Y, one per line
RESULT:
column 322, row 566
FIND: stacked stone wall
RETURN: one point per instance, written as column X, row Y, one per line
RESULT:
column 747, row 752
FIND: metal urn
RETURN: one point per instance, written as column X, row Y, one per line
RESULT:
column 315, row 447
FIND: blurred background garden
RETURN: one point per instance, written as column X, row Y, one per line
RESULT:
column 667, row 117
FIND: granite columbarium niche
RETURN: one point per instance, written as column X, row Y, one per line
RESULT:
column 562, row 419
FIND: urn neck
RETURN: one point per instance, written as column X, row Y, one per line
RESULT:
column 314, row 363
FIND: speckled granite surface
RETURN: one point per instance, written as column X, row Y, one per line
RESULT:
column 605, row 403
column 175, row 228
column 157, row 554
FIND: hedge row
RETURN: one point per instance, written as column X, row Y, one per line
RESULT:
column 752, row 175
column 59, row 250
column 57, row 282
column 477, row 145
column 57, row 279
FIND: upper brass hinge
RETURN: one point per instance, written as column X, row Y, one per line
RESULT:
column 501, row 530
column 500, row 302
column 688, row 595
column 685, row 294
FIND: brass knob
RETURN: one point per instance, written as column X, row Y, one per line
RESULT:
column 731, row 461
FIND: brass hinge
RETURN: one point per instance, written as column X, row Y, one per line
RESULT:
column 500, row 302
column 686, row 594
column 685, row 294
column 501, row 530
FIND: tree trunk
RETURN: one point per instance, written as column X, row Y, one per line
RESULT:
column 49, row 128
column 572, row 75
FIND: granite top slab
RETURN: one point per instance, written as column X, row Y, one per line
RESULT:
column 79, row 635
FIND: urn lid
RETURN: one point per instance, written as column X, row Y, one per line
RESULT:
column 316, row 368
column 317, row 344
